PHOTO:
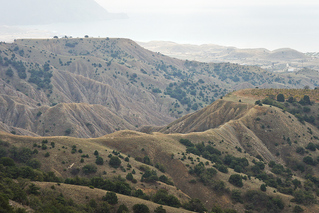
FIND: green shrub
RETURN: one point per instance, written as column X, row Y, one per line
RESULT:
column 99, row 160
column 195, row 205
column 34, row 163
column 280, row 98
column 129, row 176
column 236, row 180
column 89, row 169
column 6, row 161
column 300, row 150
column 140, row 208
column 297, row 209
column 162, row 197
column 263, row 187
column 160, row 209
column 111, row 198
column 115, row 162
column 311, row 146
column 309, row 160
column 122, row 209
column 236, row 196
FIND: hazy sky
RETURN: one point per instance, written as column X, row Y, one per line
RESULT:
column 191, row 6
column 270, row 24
column 252, row 23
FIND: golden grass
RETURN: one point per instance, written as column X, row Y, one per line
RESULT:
column 263, row 93
column 82, row 194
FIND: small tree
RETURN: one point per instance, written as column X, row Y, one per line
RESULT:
column 129, row 176
column 122, row 209
column 34, row 163
column 99, row 160
column 111, row 198
column 160, row 209
column 9, row 72
column 115, row 162
column 89, row 169
column 140, row 208
column 236, row 180
column 6, row 161
column 297, row 209
column 195, row 205
column 290, row 99
column 280, row 98
column 33, row 189
column 263, row 187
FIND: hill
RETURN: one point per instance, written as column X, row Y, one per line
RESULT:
column 36, row 12
column 233, row 154
column 118, row 84
column 275, row 60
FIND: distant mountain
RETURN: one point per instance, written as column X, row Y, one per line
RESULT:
column 38, row 12
column 277, row 60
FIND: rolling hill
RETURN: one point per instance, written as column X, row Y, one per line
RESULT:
column 275, row 60
column 88, row 87
column 232, row 154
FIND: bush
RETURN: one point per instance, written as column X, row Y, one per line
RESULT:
column 140, row 208
column 24, row 154
column 99, row 160
column 263, row 187
column 160, row 209
column 300, row 150
column 280, row 98
column 111, row 198
column 195, row 205
column 9, row 72
column 236, row 180
column 297, row 209
column 147, row 160
column 115, row 162
column 160, row 167
column 311, row 146
column 129, row 176
column 309, row 160
column 162, row 197
column 89, row 169
column 34, row 163
column 122, row 209
column 186, row 142
column 6, row 161
column 236, row 196
column 224, row 169
column 3, row 152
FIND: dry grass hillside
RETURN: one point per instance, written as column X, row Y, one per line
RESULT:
column 279, row 150
column 132, row 85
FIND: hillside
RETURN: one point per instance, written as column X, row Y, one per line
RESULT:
column 275, row 60
column 222, row 155
column 101, row 85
